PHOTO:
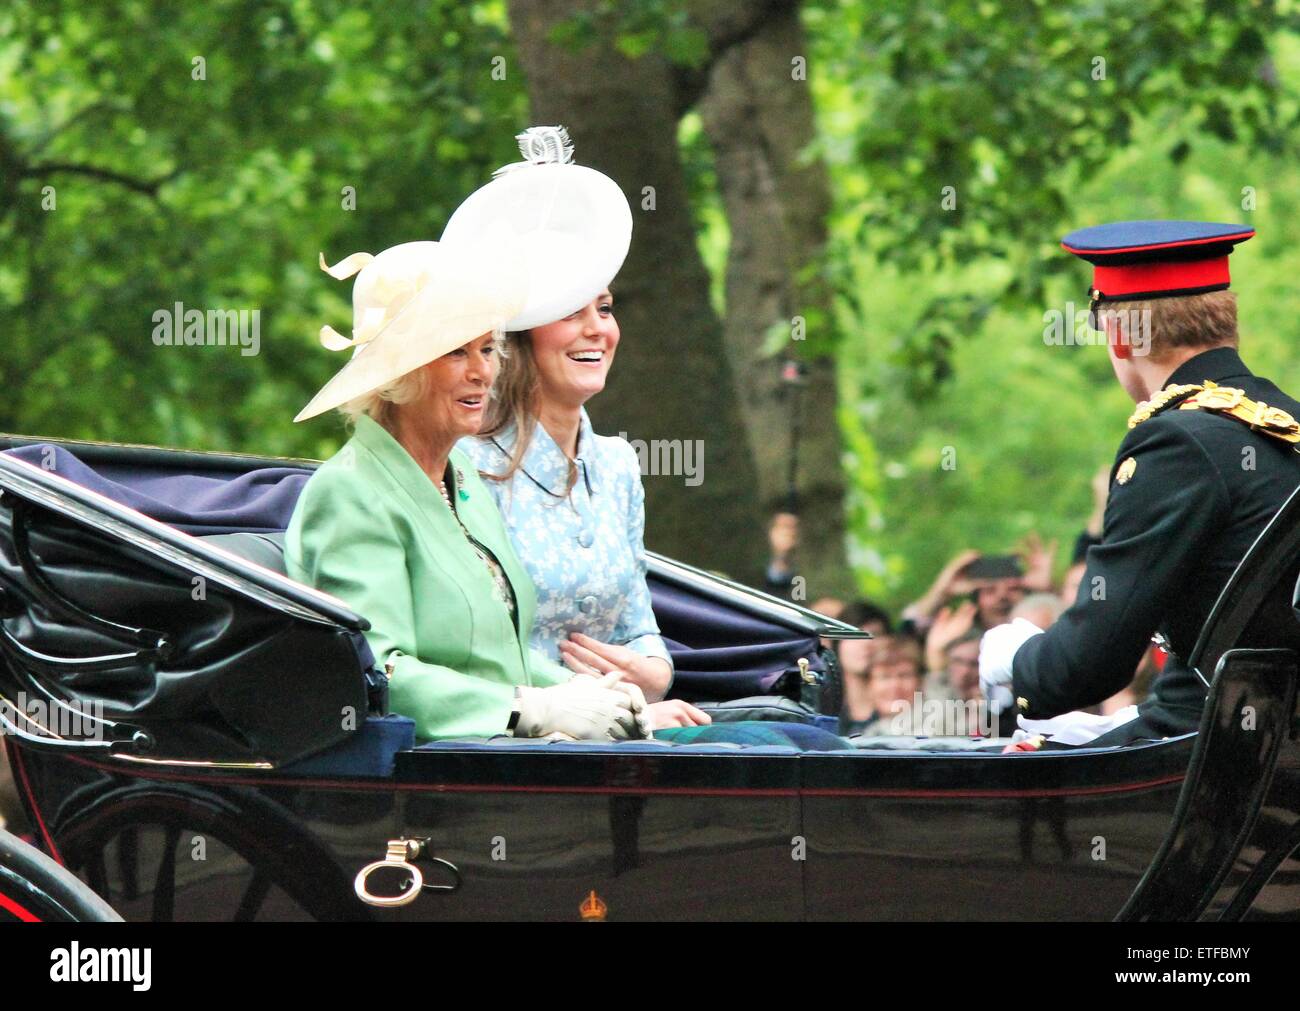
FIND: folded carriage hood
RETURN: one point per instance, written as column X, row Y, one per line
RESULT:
column 154, row 645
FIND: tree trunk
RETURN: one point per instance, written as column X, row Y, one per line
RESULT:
column 671, row 384
column 759, row 119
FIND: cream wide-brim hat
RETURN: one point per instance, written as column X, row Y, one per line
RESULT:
column 416, row 302
column 571, row 224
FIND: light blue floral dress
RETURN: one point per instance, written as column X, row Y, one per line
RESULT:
column 585, row 551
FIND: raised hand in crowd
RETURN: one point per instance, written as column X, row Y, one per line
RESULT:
column 950, row 624
column 1038, row 559
column 951, row 582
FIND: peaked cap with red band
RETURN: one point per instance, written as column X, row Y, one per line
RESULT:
column 1139, row 260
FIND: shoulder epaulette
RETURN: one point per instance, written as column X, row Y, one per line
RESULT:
column 1158, row 403
column 1226, row 400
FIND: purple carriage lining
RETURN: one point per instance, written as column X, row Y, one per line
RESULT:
column 259, row 501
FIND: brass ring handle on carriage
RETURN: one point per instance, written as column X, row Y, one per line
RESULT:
column 402, row 855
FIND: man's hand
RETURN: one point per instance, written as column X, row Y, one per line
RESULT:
column 948, row 583
column 584, row 655
column 997, row 653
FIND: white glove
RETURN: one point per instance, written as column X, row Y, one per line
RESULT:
column 640, row 708
column 586, row 709
column 997, row 651
column 1076, row 727
column 636, row 697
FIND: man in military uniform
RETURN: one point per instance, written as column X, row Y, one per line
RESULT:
column 1209, row 459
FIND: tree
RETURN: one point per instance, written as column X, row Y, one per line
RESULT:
column 206, row 154
column 591, row 66
column 778, row 200
column 155, row 153
column 672, row 382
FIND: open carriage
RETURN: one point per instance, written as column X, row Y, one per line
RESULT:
column 196, row 736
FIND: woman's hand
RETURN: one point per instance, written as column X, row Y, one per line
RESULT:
column 675, row 713
column 585, row 655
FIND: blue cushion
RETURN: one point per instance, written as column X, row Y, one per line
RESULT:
column 522, row 744
column 369, row 753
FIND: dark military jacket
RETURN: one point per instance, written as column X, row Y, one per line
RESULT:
column 1200, row 488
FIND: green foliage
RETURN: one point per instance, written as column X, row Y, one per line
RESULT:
column 713, row 232
column 1009, row 109
column 963, row 141
column 1031, row 422
column 219, row 193
column 961, row 134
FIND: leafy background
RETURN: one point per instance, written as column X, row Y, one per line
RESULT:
column 222, row 193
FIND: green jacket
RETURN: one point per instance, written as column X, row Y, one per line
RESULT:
column 372, row 529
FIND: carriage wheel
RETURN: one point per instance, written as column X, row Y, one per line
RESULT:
column 162, row 853
column 35, row 889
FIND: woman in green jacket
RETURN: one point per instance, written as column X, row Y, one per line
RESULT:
column 399, row 526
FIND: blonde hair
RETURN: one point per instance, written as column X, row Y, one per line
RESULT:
column 381, row 405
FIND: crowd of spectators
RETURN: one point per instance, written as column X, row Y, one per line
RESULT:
column 919, row 673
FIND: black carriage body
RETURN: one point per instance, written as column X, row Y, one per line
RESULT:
column 679, row 834
column 537, row 831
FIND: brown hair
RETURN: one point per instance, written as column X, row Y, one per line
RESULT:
column 896, row 647
column 1183, row 321
column 514, row 404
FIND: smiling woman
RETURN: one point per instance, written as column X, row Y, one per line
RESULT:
column 398, row 525
column 575, row 507
column 573, row 501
